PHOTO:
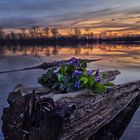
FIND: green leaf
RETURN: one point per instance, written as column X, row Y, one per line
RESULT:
column 48, row 75
column 61, row 78
column 62, row 86
column 55, row 85
column 83, row 64
column 90, row 81
column 104, row 76
column 70, row 69
column 109, row 84
column 63, row 69
column 39, row 80
column 84, row 80
column 98, row 88
column 70, row 87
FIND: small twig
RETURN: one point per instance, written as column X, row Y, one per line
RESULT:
column 40, row 59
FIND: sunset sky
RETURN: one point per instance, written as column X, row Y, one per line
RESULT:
column 101, row 15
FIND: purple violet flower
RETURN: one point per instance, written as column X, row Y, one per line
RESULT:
column 57, row 64
column 74, row 61
column 89, row 72
column 76, row 72
column 78, row 84
column 71, row 62
column 97, row 76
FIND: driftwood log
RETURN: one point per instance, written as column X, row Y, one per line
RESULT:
column 41, row 114
column 46, row 65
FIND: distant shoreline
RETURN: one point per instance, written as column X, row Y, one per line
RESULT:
column 63, row 41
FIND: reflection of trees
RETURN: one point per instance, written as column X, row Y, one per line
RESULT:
column 55, row 50
column 77, row 51
column 2, row 51
column 47, row 51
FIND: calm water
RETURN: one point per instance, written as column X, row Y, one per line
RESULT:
column 121, row 57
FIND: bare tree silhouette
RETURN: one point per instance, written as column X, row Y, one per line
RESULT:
column 54, row 32
column 37, row 35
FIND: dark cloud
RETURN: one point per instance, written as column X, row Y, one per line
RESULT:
column 18, row 22
column 68, row 13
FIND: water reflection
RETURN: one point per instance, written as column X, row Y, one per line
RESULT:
column 98, row 49
column 121, row 55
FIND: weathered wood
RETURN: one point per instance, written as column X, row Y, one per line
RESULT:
column 32, row 115
column 93, row 112
column 114, row 129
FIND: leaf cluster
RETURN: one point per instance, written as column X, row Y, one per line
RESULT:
column 72, row 76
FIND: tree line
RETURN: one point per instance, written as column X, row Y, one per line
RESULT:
column 46, row 36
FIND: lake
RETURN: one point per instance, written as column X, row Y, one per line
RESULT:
column 125, row 58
